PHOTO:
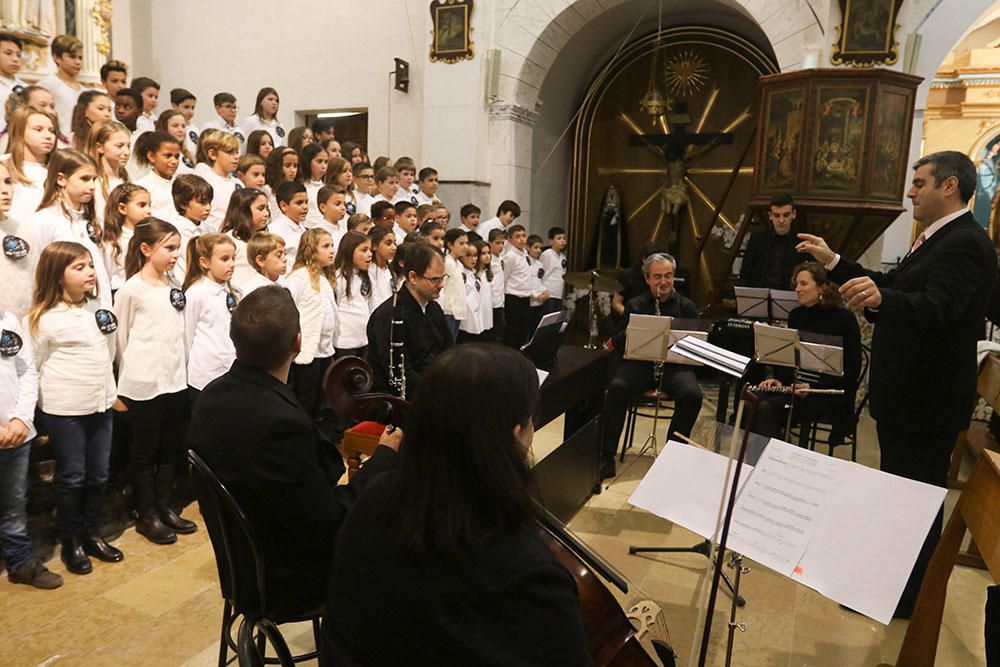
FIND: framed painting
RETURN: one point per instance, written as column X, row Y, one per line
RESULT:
column 781, row 150
column 838, row 140
column 866, row 35
column 452, row 32
column 891, row 143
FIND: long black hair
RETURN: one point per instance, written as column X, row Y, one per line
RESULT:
column 464, row 479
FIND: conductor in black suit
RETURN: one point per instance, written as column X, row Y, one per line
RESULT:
column 771, row 254
column 255, row 436
column 928, row 314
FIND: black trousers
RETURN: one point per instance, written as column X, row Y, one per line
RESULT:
column 498, row 325
column 157, row 426
column 633, row 378
column 924, row 457
column 518, row 322
column 306, row 382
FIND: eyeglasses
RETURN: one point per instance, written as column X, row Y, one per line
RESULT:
column 434, row 280
column 367, row 177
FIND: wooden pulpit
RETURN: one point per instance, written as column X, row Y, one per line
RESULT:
column 976, row 512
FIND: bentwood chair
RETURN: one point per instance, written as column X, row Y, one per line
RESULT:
column 248, row 650
column 240, row 563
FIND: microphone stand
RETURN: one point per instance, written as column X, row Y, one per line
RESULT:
column 592, row 315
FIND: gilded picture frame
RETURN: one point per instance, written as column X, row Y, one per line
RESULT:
column 866, row 35
column 452, row 31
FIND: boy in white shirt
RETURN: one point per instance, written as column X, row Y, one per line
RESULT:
column 67, row 54
column 535, row 244
column 192, row 196
column 18, row 396
column 469, row 214
column 185, row 101
column 266, row 254
column 225, row 109
column 163, row 154
column 507, row 213
column 405, row 190
column 332, row 203
column 406, row 220
column 386, row 185
column 427, row 186
column 294, row 204
column 149, row 91
column 128, row 105
column 218, row 156
column 497, row 240
column 554, row 265
column 10, row 65
column 520, row 287
column 114, row 77
column 364, row 178
column 251, row 171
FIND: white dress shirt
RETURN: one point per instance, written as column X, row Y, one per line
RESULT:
column 352, row 313
column 144, row 123
column 518, row 273
column 291, row 232
column 18, row 380
column 206, row 331
column 161, row 195
column 218, row 124
column 254, row 122
column 17, row 274
column 73, row 357
column 381, row 284
column 554, row 265
column 260, row 280
column 313, row 217
column 52, row 224
column 222, row 191
column 7, row 86
column 65, row 97
column 151, row 353
column 486, row 226
column 499, row 282
column 27, row 196
column 453, row 300
column 473, row 322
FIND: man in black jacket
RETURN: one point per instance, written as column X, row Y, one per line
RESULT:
column 771, row 256
column 255, row 436
column 633, row 378
column 424, row 332
column 928, row 314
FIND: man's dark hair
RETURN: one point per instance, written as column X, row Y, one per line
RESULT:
column 141, row 83
column 14, row 39
column 401, row 206
column 508, row 206
column 463, row 484
column 469, row 209
column 263, row 327
column 321, row 125
column 945, row 164
column 419, row 257
column 223, row 98
column 556, row 231
column 426, row 173
column 380, row 207
column 287, row 191
column 107, row 68
column 782, row 199
column 178, row 95
column 496, row 233
column 133, row 94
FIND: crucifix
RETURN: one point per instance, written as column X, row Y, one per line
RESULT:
column 677, row 148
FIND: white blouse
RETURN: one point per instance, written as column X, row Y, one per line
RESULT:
column 161, row 195
column 18, row 380
column 116, row 266
column 73, row 357
column 17, row 273
column 317, row 315
column 353, row 313
column 473, row 322
column 381, row 284
column 273, row 127
column 27, row 196
column 206, row 331
column 453, row 299
column 151, row 353
column 52, row 224
column 222, row 192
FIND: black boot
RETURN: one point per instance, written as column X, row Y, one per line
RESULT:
column 148, row 522
column 164, row 491
column 94, row 545
column 74, row 557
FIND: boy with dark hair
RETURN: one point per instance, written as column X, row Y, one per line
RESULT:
column 535, row 244
column 10, row 65
column 507, row 213
column 193, row 201
column 114, row 77
column 149, row 93
column 497, row 239
column 225, row 120
column 553, row 261
column 323, row 131
column 469, row 214
column 67, row 54
column 406, row 220
column 128, row 106
column 427, row 181
column 293, row 200
column 521, row 287
column 406, row 190
column 387, row 184
column 384, row 214
column 183, row 100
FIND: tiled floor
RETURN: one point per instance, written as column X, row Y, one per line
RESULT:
column 161, row 606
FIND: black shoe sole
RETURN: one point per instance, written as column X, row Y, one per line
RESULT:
column 165, row 540
column 105, row 558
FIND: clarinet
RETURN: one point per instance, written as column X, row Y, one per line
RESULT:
column 397, row 356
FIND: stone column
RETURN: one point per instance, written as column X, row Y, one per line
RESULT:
column 93, row 26
column 511, row 129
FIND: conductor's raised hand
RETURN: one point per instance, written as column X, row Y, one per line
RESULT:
column 861, row 293
column 817, row 247
column 391, row 437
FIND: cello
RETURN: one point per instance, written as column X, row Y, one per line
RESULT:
column 612, row 641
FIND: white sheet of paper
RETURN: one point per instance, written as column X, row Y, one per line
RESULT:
column 711, row 355
column 684, row 485
column 866, row 544
column 541, row 376
column 782, row 503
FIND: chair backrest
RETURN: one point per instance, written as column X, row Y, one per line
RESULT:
column 247, row 650
column 238, row 556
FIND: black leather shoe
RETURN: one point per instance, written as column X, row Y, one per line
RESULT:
column 74, row 557
column 94, row 545
column 175, row 522
column 149, row 526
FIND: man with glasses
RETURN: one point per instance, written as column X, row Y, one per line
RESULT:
column 364, row 180
column 424, row 331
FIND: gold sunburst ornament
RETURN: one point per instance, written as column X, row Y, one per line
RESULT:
column 685, row 73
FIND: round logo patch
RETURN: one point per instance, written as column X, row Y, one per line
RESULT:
column 177, row 298
column 92, row 232
column 564, row 264
column 231, row 301
column 193, row 136
column 15, row 247
column 351, row 208
column 280, row 131
column 188, row 162
column 239, row 135
column 541, row 273
column 366, row 290
column 106, row 321
column 10, row 343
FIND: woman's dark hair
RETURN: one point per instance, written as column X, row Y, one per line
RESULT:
column 150, row 231
column 343, row 263
column 239, row 217
column 463, row 482
column 829, row 294
column 261, row 94
column 306, row 156
column 479, row 244
column 274, row 175
column 253, row 141
column 453, row 235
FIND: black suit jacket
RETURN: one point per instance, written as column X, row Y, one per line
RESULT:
column 753, row 270
column 923, row 365
column 253, row 433
column 425, row 335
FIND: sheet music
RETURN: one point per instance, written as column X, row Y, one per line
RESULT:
column 681, row 328
column 781, row 504
column 712, row 355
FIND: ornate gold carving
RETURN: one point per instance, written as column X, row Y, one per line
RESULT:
column 685, row 73
column 101, row 13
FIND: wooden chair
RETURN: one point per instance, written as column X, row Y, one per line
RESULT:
column 975, row 512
